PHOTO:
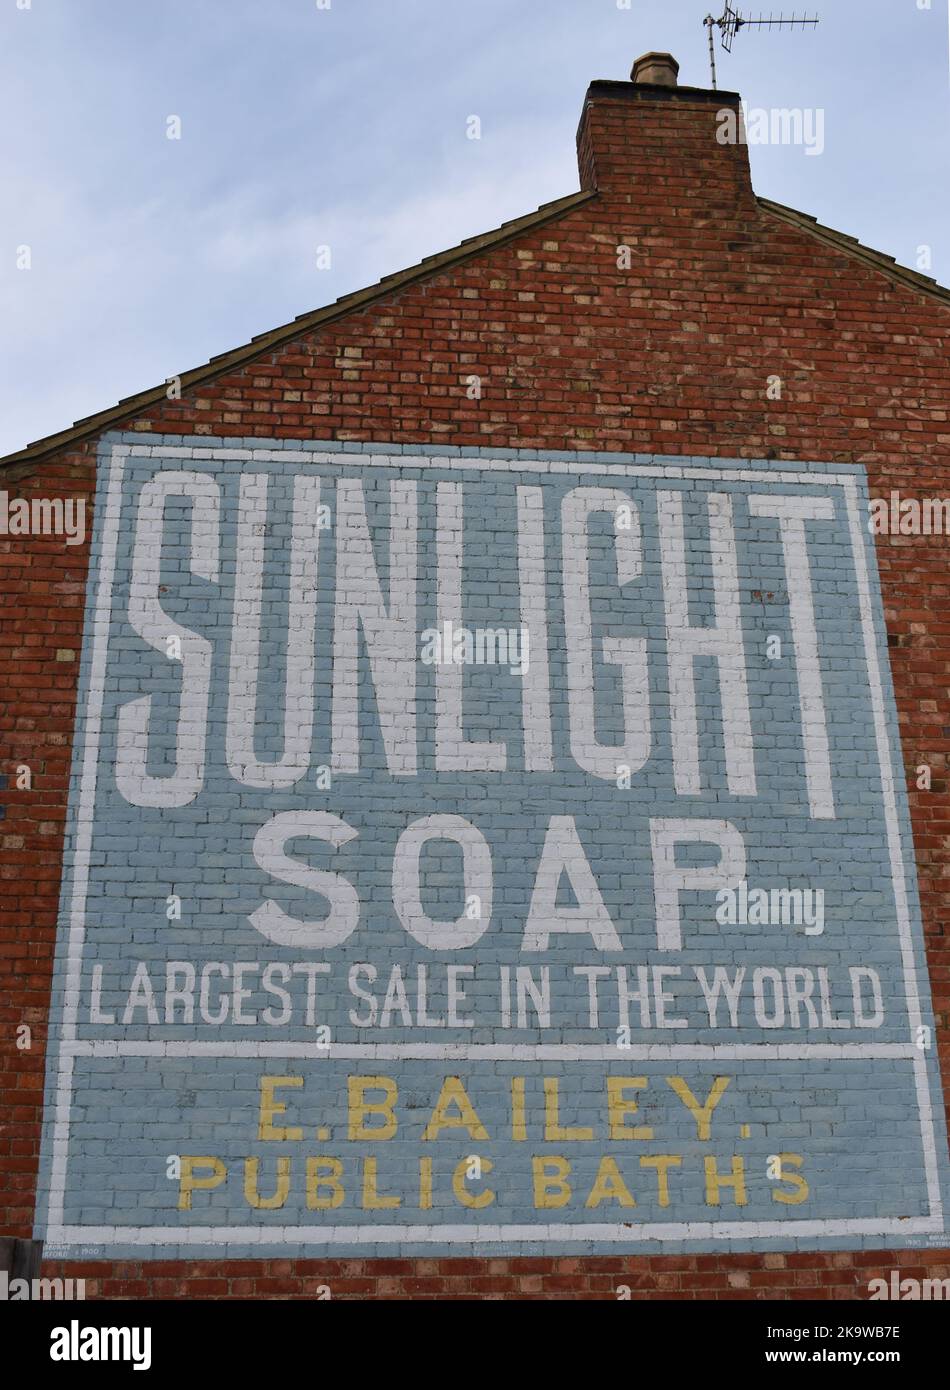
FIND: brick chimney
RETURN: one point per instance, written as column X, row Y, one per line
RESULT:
column 650, row 141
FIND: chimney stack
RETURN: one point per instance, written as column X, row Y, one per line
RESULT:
column 659, row 147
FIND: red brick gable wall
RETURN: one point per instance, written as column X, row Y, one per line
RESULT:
column 671, row 356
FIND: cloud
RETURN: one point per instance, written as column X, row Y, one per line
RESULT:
column 120, row 297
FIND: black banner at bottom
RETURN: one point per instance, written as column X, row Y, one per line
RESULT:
column 189, row 1337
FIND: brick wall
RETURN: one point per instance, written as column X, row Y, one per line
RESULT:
column 668, row 357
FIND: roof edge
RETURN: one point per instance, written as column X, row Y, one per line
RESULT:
column 129, row 406
column 876, row 260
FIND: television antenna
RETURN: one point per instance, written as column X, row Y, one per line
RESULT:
column 730, row 22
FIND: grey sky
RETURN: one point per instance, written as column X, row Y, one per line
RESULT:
column 304, row 126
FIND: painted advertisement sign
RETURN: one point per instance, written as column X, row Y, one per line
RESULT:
column 495, row 851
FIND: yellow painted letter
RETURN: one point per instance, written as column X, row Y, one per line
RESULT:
column 251, row 1193
column 188, row 1183
column 324, row 1172
column 270, row 1107
column 453, row 1093
column 360, row 1107
column 715, row 1181
column 795, row 1180
column 551, row 1188
column 372, row 1200
column 662, row 1163
column 702, row 1114
column 468, row 1199
column 553, row 1132
column 609, row 1183
column 618, row 1107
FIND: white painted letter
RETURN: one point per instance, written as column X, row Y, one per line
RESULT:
column 629, row 653
column 669, row 881
column 792, row 513
column 150, row 621
column 270, row 854
column 722, row 641
column 245, row 661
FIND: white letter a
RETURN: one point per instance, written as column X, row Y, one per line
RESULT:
column 564, row 853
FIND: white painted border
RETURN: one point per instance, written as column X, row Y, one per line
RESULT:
column 70, row 1046
column 79, row 871
column 888, row 785
column 499, row 1052
column 629, row 1233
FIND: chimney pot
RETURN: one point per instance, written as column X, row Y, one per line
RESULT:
column 656, row 69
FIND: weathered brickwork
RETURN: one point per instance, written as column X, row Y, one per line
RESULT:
column 668, row 359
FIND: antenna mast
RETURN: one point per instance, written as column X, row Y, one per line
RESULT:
column 730, row 22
